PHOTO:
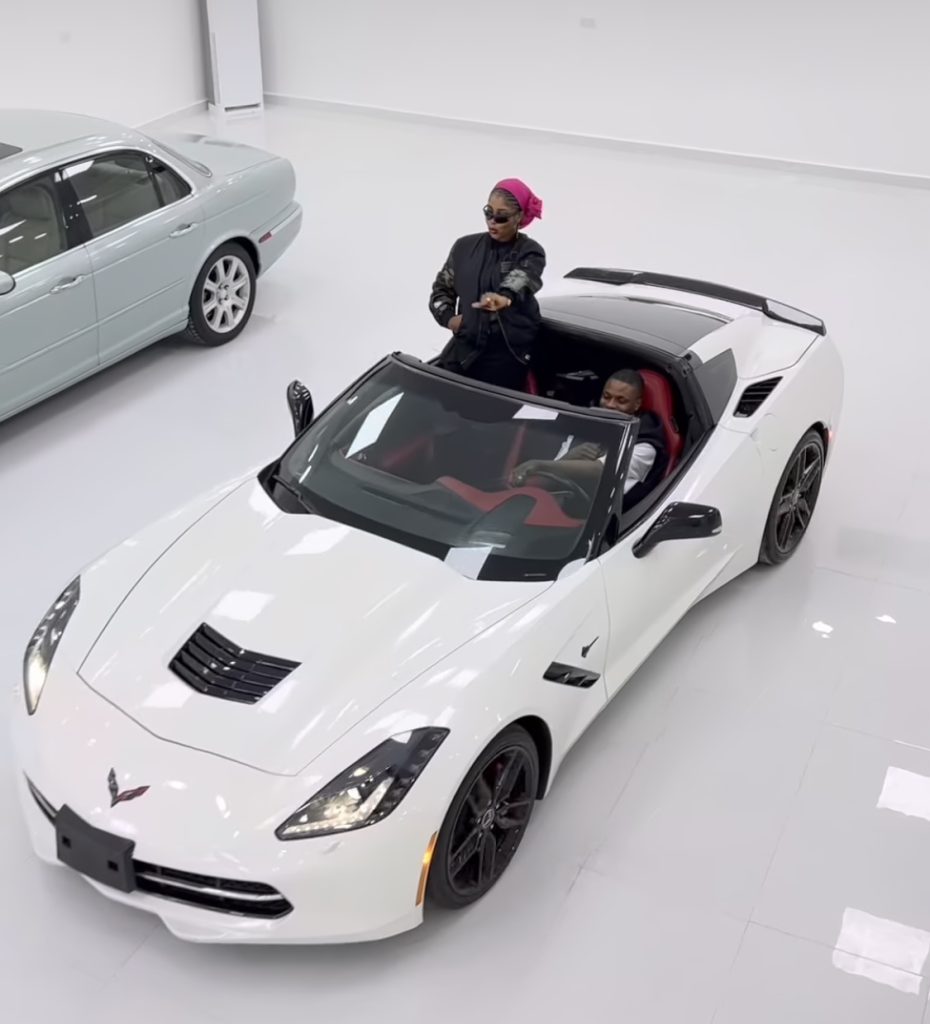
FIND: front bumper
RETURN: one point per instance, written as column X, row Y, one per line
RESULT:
column 207, row 859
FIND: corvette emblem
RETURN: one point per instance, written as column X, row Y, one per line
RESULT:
column 116, row 797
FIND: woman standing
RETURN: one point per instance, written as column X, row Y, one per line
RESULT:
column 486, row 292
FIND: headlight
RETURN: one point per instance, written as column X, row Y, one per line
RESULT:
column 41, row 648
column 368, row 790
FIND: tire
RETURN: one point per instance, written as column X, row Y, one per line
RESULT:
column 479, row 838
column 793, row 506
column 227, row 280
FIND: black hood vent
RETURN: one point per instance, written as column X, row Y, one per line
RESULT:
column 755, row 395
column 217, row 667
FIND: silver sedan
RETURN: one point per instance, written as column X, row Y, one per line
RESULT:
column 111, row 240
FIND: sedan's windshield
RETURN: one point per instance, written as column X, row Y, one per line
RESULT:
column 466, row 475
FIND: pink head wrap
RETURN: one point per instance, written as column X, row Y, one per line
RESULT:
column 530, row 204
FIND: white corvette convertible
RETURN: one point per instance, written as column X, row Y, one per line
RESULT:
column 310, row 703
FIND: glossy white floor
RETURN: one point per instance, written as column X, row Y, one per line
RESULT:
column 745, row 835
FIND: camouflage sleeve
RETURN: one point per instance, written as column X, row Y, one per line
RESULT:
column 443, row 298
column 526, row 276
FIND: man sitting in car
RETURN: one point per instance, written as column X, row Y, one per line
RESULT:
column 623, row 392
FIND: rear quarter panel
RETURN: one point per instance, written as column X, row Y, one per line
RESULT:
column 809, row 393
column 242, row 204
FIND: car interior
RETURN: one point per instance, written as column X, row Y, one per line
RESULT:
column 572, row 367
column 114, row 191
column 30, row 227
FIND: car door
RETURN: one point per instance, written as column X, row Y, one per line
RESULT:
column 48, row 317
column 144, row 233
column 649, row 591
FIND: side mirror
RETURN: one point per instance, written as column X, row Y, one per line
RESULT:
column 300, row 402
column 7, row 284
column 680, row 521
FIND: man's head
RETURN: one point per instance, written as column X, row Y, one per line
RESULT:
column 623, row 392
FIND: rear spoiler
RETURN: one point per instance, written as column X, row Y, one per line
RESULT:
column 769, row 307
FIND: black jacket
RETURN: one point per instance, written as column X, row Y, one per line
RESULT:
column 477, row 264
column 651, row 431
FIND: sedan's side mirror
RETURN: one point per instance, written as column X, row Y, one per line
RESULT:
column 300, row 402
column 680, row 521
column 7, row 284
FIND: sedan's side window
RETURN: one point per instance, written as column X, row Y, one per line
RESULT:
column 32, row 229
column 113, row 190
column 171, row 186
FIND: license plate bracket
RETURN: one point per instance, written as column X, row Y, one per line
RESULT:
column 101, row 856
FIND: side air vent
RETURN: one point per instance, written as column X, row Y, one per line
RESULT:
column 219, row 668
column 755, row 395
column 568, row 675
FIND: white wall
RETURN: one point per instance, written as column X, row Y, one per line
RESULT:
column 842, row 82
column 129, row 60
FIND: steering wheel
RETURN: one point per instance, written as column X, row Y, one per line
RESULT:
column 574, row 489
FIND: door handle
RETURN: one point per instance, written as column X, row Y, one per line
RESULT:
column 182, row 230
column 68, row 282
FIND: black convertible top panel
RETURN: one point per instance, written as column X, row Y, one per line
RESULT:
column 674, row 328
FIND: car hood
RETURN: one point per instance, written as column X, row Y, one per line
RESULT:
column 221, row 156
column 361, row 615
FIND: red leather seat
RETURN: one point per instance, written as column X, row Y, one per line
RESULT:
column 658, row 398
column 546, row 510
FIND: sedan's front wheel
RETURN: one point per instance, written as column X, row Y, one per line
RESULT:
column 487, row 820
column 223, row 296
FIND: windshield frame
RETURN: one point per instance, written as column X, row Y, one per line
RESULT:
column 496, row 566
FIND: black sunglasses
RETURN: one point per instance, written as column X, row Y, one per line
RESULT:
column 497, row 218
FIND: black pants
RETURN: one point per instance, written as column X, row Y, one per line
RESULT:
column 495, row 363
column 499, row 369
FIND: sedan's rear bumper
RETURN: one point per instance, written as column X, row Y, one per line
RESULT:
column 274, row 239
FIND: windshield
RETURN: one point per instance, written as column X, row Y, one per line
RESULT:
column 441, row 466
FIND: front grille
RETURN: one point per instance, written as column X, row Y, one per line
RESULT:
column 229, row 895
column 226, row 895
column 213, row 665
column 755, row 395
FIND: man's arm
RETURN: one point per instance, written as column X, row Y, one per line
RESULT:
column 586, row 469
column 641, row 461
column 580, row 471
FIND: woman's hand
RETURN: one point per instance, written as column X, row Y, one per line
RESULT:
column 455, row 324
column 492, row 302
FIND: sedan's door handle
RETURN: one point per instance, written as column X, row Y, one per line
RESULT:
column 66, row 283
column 182, row 230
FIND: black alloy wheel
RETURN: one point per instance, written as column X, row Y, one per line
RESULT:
column 486, row 822
column 795, row 499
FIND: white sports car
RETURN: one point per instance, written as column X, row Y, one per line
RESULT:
column 305, row 705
